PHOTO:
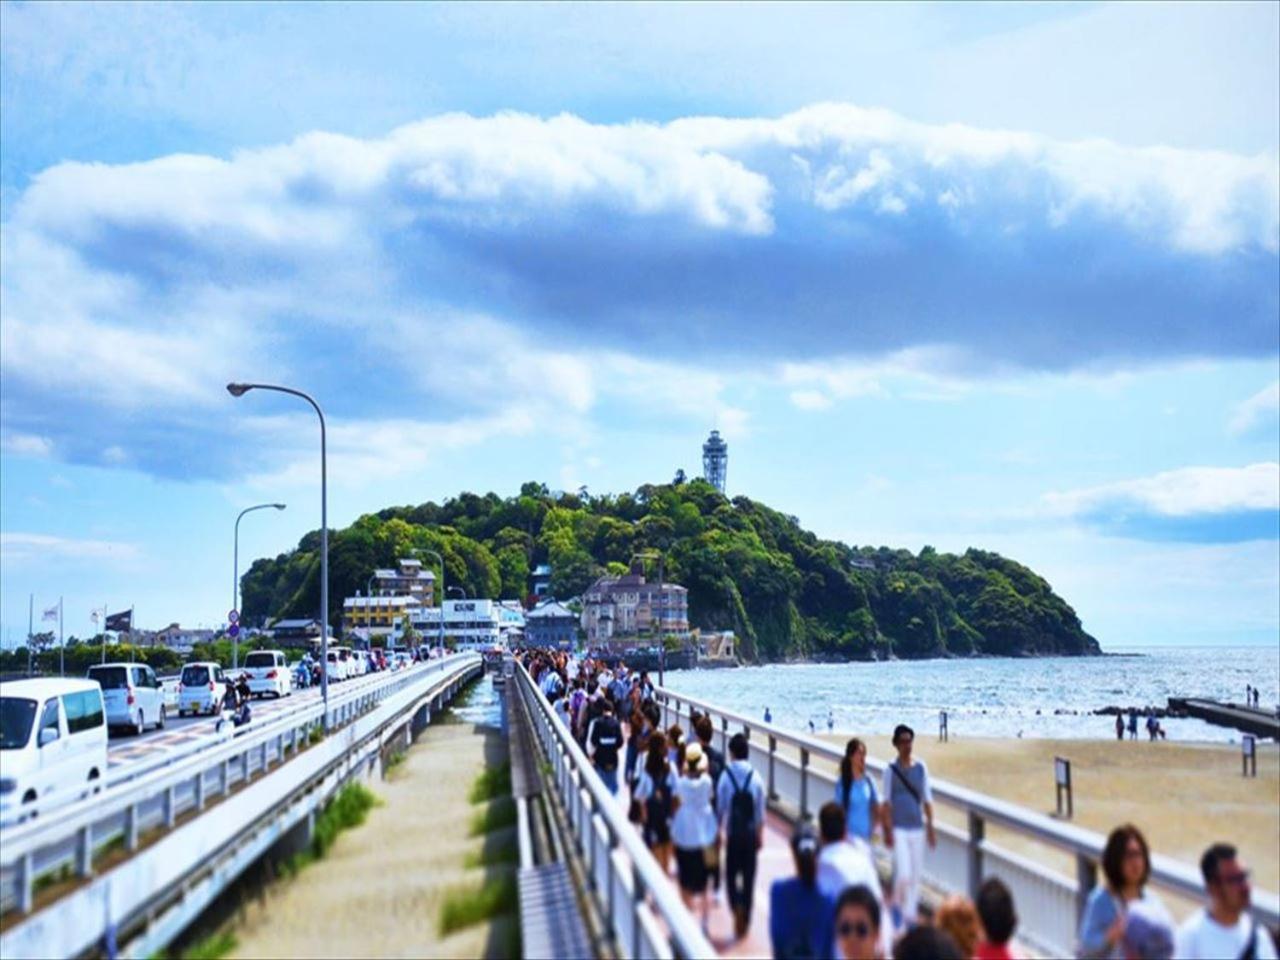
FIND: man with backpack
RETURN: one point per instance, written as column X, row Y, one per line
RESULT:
column 740, row 803
column 605, row 739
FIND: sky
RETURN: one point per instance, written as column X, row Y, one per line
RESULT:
column 991, row 275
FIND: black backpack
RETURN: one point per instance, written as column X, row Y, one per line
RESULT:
column 742, row 808
column 605, row 740
column 658, row 806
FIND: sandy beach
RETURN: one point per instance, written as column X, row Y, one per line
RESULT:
column 1182, row 796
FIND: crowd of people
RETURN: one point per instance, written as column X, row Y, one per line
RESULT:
column 706, row 812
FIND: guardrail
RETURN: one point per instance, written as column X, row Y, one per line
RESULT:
column 70, row 836
column 634, row 896
column 1049, row 903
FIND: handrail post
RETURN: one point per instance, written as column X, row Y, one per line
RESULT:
column 1086, row 879
column 773, row 750
column 977, row 834
column 804, row 783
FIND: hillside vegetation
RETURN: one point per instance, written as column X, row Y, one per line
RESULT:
column 785, row 592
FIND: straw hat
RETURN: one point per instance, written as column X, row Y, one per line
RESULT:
column 694, row 757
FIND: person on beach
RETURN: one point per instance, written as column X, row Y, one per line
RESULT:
column 908, row 824
column 693, row 830
column 1248, row 695
column 800, row 914
column 1119, row 726
column 740, row 806
column 994, row 904
column 655, row 792
column 857, row 931
column 1126, row 866
column 1133, row 723
column 1224, row 927
column 856, row 792
column 831, row 721
column 846, row 861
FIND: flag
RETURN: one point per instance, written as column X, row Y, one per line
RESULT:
column 94, row 616
column 51, row 614
column 120, row 622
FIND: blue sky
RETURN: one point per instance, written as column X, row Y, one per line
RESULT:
column 995, row 275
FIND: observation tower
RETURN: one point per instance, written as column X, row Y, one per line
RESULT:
column 715, row 460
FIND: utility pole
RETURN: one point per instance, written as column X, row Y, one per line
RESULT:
column 31, row 619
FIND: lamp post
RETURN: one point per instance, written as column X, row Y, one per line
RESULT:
column 239, row 390
column 442, row 595
column 235, row 576
column 368, row 610
column 662, row 640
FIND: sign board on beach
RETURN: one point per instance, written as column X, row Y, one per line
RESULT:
column 1062, row 785
column 1249, row 755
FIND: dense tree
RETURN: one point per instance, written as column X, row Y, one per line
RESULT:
column 748, row 568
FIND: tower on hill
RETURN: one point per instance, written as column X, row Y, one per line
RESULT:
column 715, row 460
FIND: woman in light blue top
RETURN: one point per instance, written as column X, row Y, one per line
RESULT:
column 1126, row 865
column 856, row 792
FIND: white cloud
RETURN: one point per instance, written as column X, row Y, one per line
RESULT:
column 810, row 400
column 27, row 445
column 24, row 547
column 1188, row 492
column 1261, row 409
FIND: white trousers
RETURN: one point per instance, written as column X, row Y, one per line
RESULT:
column 908, row 868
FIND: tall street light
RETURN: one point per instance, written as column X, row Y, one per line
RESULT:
column 662, row 640
column 235, row 577
column 442, row 594
column 239, row 390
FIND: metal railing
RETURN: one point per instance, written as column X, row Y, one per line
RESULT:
column 635, row 897
column 1050, row 903
column 69, row 838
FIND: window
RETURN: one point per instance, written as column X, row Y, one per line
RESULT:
column 110, row 678
column 84, row 710
column 49, row 719
column 195, row 676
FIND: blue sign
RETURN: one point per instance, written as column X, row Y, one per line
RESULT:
column 233, row 630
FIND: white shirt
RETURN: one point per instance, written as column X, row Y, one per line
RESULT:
column 1203, row 938
column 849, row 864
column 694, row 823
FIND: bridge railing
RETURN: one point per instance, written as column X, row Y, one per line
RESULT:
column 64, row 841
column 638, row 902
column 801, row 774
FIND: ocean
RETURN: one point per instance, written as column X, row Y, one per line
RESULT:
column 1050, row 697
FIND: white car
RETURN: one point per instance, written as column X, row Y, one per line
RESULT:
column 53, row 744
column 202, row 687
column 269, row 673
column 336, row 668
column 132, row 695
column 347, row 658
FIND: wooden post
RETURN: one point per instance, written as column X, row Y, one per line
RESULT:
column 1249, row 755
column 1062, row 785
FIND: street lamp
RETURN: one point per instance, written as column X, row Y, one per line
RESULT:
column 235, row 577
column 462, row 593
column 368, row 610
column 662, row 640
column 442, row 594
column 239, row 390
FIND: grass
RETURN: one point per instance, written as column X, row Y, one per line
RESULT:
column 493, row 782
column 52, row 878
column 348, row 809
column 507, row 854
column 498, row 814
column 212, row 947
column 393, row 761
column 465, row 906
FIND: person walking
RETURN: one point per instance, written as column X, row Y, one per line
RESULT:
column 655, row 792
column 1119, row 726
column 740, row 803
column 1126, row 867
column 704, row 729
column 857, row 932
column 846, row 861
column 856, row 792
column 1133, row 723
column 605, row 738
column 693, row 830
column 1224, row 928
column 908, row 823
column 994, row 904
column 800, row 914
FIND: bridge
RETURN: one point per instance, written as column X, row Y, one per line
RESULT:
column 1261, row 723
column 136, row 865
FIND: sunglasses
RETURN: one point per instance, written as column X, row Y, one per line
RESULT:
column 1235, row 879
column 860, row 929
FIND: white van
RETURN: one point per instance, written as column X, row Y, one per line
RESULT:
column 53, row 744
column 132, row 695
column 269, row 673
column 202, row 688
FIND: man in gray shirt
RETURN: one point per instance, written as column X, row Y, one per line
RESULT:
column 908, row 801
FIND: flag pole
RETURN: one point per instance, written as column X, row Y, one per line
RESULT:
column 62, row 646
column 104, row 633
column 31, row 613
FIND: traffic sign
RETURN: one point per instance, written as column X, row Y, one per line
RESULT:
column 233, row 616
column 234, row 630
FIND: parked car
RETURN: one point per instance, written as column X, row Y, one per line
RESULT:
column 53, row 741
column 269, row 673
column 202, row 688
column 132, row 695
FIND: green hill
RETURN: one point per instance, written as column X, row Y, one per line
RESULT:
column 785, row 592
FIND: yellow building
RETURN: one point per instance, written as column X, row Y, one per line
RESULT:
column 365, row 616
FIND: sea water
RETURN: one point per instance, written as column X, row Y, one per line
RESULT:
column 1048, row 697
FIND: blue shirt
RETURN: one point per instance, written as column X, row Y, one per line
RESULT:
column 859, row 805
column 801, row 921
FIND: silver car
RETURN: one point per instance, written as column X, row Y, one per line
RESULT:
column 131, row 694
